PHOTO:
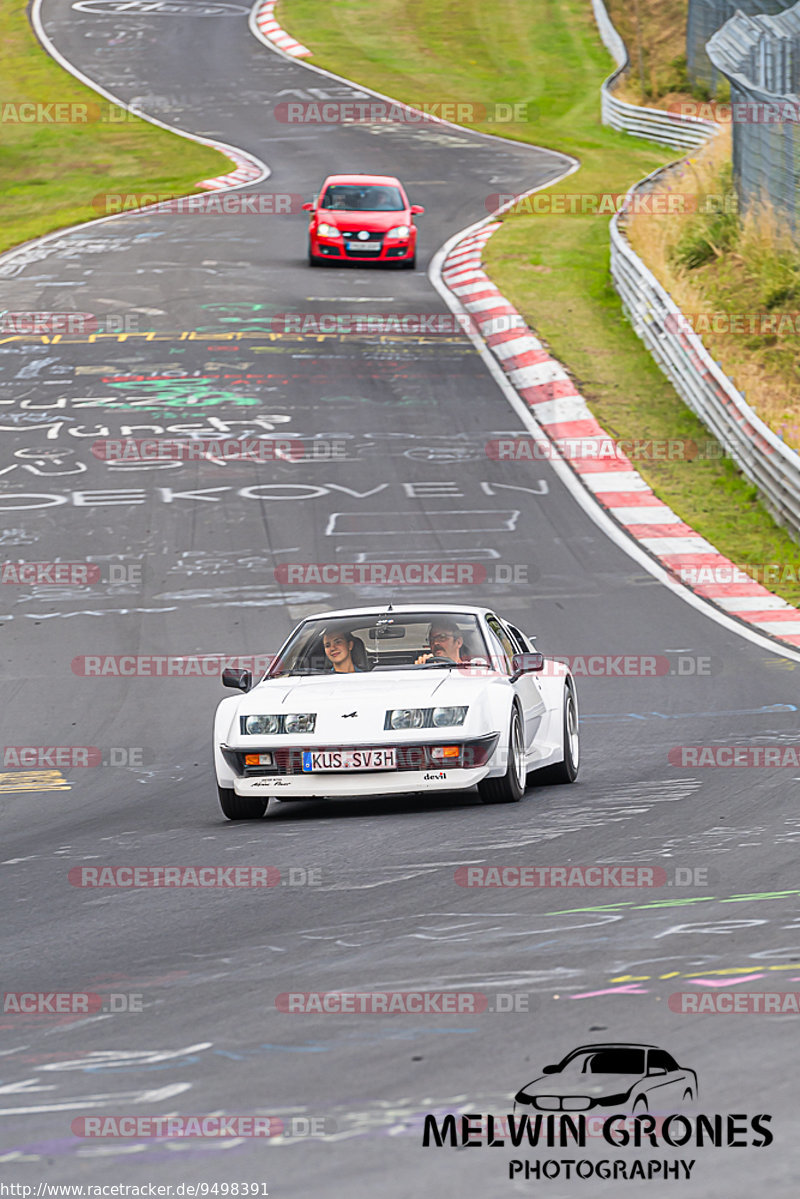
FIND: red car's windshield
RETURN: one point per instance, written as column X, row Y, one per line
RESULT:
column 353, row 197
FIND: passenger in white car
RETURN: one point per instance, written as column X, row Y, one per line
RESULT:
column 340, row 647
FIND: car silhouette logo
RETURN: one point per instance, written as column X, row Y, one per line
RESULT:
column 628, row 1077
column 347, row 715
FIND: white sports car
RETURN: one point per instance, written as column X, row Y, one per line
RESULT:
column 394, row 700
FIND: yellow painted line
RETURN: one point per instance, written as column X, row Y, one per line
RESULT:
column 740, row 970
column 33, row 780
column 71, row 339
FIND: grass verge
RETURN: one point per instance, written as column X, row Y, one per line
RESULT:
column 655, row 33
column 51, row 172
column 554, row 268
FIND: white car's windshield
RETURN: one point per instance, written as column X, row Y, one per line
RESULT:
column 357, row 644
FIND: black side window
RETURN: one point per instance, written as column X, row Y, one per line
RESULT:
column 516, row 638
column 502, row 636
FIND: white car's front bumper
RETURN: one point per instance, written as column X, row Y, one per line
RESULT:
column 353, row 784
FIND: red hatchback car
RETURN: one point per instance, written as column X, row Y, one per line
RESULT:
column 363, row 218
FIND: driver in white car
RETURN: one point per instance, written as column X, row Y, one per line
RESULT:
column 446, row 641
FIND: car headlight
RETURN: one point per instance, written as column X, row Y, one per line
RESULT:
column 443, row 716
column 300, row 722
column 328, row 230
column 399, row 231
column 406, row 718
column 261, row 725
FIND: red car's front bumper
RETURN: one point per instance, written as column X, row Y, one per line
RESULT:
column 351, row 250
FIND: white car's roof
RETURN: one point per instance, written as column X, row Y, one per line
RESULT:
column 400, row 609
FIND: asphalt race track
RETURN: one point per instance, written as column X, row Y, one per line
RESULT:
column 369, row 900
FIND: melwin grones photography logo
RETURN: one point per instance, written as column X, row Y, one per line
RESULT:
column 609, row 1095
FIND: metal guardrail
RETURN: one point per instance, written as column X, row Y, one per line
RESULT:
column 761, row 455
column 704, row 19
column 760, row 56
column 655, row 124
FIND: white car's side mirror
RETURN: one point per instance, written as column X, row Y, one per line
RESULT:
column 241, row 680
column 526, row 664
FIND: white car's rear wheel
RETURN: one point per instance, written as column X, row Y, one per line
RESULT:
column 240, row 807
column 511, row 786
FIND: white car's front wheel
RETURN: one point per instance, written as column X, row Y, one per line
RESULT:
column 240, row 807
column 510, row 787
column 565, row 771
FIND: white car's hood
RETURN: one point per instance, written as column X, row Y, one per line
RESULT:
column 353, row 707
column 401, row 686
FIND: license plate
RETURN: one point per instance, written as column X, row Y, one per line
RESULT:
column 373, row 246
column 349, row 759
